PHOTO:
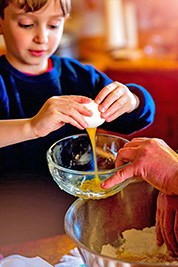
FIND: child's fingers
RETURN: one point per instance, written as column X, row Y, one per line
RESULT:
column 76, row 98
column 115, row 100
column 105, row 92
column 73, row 121
column 118, row 108
column 80, row 99
column 116, row 95
column 72, row 116
column 81, row 109
column 67, row 110
column 69, row 105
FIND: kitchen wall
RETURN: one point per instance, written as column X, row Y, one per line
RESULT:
column 86, row 18
column 158, row 25
column 154, row 23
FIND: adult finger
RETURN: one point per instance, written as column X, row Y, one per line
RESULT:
column 159, row 236
column 125, row 155
column 161, row 220
column 176, row 229
column 168, row 228
column 164, row 234
column 120, row 176
column 136, row 141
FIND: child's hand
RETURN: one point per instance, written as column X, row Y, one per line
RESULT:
column 116, row 99
column 59, row 110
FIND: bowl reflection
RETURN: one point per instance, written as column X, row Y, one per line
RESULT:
column 71, row 164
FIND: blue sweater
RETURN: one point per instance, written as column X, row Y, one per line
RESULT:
column 22, row 96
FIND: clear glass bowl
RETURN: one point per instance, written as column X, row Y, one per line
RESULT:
column 71, row 164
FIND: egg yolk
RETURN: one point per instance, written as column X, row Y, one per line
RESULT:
column 93, row 184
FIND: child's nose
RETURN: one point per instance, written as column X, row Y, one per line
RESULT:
column 41, row 35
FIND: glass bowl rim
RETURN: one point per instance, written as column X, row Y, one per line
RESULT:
column 87, row 173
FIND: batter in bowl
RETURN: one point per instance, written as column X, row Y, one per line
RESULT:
column 140, row 246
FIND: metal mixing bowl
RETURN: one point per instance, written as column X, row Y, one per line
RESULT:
column 71, row 164
column 93, row 223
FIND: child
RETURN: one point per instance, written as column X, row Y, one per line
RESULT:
column 33, row 79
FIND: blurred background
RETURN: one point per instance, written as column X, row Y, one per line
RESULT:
column 131, row 41
column 151, row 26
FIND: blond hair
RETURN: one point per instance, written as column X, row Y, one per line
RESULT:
column 34, row 5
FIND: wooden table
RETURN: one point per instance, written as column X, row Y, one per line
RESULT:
column 50, row 249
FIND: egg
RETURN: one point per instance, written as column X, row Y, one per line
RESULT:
column 95, row 120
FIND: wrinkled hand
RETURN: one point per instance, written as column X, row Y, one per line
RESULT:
column 116, row 99
column 167, row 222
column 59, row 110
column 152, row 160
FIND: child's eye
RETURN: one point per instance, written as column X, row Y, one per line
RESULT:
column 25, row 26
column 54, row 26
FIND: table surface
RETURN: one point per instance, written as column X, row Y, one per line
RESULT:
column 32, row 207
column 50, row 249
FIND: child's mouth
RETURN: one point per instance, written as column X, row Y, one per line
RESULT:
column 37, row 53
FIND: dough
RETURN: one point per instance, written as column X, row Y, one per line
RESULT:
column 139, row 246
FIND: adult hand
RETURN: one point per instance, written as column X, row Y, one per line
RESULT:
column 167, row 222
column 59, row 110
column 116, row 99
column 152, row 160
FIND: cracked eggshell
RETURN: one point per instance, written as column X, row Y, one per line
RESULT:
column 95, row 120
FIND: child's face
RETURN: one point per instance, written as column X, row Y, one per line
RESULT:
column 32, row 37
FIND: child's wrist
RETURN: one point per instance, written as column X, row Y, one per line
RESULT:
column 137, row 101
column 29, row 130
